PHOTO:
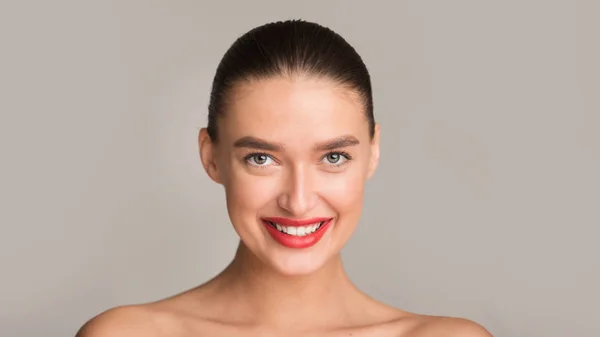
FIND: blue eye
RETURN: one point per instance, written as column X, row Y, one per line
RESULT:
column 336, row 158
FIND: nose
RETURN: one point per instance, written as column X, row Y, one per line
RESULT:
column 298, row 195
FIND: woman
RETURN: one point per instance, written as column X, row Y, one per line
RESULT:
column 292, row 138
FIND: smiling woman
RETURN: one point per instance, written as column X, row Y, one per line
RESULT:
column 292, row 138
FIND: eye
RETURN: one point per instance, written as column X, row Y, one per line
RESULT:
column 259, row 159
column 336, row 158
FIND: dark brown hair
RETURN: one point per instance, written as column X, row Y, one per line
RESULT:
column 287, row 48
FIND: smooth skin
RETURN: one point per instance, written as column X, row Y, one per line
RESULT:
column 297, row 147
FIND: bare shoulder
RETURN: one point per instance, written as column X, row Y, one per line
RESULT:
column 126, row 321
column 433, row 326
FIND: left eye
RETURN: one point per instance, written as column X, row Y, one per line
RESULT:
column 334, row 158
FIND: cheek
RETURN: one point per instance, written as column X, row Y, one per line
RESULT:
column 344, row 192
column 247, row 193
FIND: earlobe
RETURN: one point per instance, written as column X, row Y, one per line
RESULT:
column 374, row 161
column 208, row 155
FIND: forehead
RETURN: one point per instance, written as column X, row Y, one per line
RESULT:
column 292, row 109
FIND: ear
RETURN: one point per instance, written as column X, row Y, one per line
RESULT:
column 374, row 161
column 208, row 155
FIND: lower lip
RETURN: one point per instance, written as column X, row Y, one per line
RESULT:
column 297, row 242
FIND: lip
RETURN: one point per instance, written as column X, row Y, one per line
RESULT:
column 295, row 222
column 297, row 242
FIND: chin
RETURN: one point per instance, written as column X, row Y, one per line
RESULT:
column 298, row 263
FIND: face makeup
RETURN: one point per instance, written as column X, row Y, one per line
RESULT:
column 293, row 233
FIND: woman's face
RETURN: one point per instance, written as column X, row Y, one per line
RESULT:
column 293, row 155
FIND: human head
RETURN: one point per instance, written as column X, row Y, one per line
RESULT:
column 288, row 48
column 275, row 84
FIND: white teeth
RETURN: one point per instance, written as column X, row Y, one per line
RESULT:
column 298, row 230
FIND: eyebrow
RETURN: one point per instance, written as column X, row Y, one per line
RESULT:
column 337, row 143
column 260, row 144
column 257, row 144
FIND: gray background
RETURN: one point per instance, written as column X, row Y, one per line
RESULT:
column 485, row 205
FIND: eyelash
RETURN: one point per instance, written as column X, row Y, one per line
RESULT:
column 254, row 154
column 344, row 154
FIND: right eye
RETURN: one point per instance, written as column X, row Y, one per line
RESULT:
column 259, row 159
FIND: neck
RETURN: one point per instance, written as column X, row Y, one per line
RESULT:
column 260, row 295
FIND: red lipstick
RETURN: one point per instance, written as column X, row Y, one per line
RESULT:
column 294, row 233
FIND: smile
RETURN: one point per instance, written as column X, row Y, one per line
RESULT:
column 293, row 233
column 297, row 231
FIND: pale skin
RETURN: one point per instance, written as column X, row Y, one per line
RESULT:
column 315, row 155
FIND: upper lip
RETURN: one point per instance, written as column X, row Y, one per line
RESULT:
column 295, row 222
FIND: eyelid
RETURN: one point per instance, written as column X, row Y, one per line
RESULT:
column 340, row 152
column 258, row 153
column 346, row 155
